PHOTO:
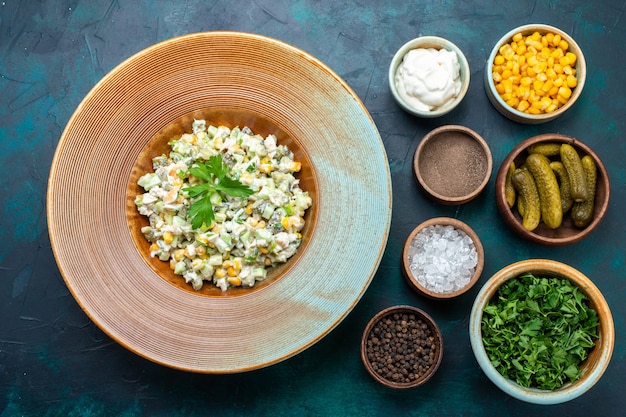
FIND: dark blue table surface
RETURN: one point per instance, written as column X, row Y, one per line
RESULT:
column 55, row 362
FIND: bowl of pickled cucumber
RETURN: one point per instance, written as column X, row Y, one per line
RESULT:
column 552, row 189
column 535, row 73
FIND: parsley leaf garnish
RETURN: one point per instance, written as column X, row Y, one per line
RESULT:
column 215, row 174
column 537, row 331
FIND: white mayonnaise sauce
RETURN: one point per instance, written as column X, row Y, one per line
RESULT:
column 429, row 78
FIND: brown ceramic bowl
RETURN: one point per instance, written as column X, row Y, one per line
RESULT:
column 399, row 314
column 418, row 286
column 598, row 358
column 567, row 233
column 452, row 164
column 513, row 113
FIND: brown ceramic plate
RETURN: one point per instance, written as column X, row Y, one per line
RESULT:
column 128, row 117
column 567, row 233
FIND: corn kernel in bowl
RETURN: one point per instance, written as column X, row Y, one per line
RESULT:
column 535, row 73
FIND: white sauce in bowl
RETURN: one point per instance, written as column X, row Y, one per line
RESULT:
column 429, row 78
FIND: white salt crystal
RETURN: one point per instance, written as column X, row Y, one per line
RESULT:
column 442, row 258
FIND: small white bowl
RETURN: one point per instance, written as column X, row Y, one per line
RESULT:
column 514, row 114
column 435, row 43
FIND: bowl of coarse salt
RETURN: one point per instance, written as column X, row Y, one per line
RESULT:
column 442, row 258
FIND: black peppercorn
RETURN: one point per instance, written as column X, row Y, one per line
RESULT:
column 405, row 352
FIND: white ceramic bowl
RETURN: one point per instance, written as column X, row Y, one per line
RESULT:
column 592, row 368
column 436, row 43
column 519, row 116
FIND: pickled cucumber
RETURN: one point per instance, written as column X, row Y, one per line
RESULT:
column 548, row 189
column 582, row 212
column 528, row 197
column 509, row 190
column 564, row 185
column 545, row 148
column 573, row 165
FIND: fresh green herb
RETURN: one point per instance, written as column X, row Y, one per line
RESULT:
column 217, row 184
column 537, row 331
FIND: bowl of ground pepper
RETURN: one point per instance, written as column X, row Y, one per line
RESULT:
column 401, row 347
column 452, row 164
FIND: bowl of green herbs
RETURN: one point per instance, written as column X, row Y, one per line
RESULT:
column 542, row 331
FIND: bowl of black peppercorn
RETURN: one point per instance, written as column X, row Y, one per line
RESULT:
column 401, row 347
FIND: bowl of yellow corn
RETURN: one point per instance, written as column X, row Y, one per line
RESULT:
column 535, row 73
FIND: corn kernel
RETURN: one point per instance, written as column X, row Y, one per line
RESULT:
column 499, row 60
column 168, row 237
column 154, row 247
column 236, row 263
column 526, row 81
column 232, row 272
column 285, row 223
column 265, row 168
column 513, row 101
column 557, row 53
column 261, row 225
column 220, row 273
column 178, row 254
column 295, row 166
column 196, row 264
column 234, row 281
column 523, row 106
column 563, row 45
column 565, row 92
column 571, row 81
column 518, row 37
column 572, row 57
column 547, row 85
